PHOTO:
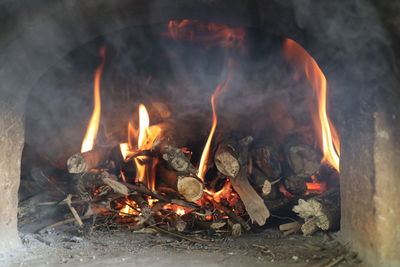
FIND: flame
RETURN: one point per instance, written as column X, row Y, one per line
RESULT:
column 179, row 210
column 221, row 88
column 124, row 147
column 211, row 34
column 328, row 134
column 147, row 136
column 93, row 127
column 144, row 123
column 130, row 208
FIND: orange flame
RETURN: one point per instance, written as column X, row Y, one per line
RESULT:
column 328, row 134
column 130, row 208
column 93, row 127
column 221, row 88
column 211, row 34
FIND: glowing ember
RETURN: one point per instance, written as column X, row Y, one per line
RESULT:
column 326, row 131
column 93, row 127
column 315, row 188
column 221, row 88
column 180, row 212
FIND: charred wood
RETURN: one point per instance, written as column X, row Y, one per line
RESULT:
column 296, row 184
column 302, row 159
column 266, row 158
column 84, row 162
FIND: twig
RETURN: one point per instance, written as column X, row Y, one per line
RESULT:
column 189, row 238
column 144, row 190
column 232, row 215
column 73, row 210
column 57, row 224
column 336, row 261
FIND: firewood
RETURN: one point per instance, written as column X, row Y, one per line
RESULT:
column 231, row 158
column 296, row 184
column 320, row 212
column 188, row 186
column 302, row 159
column 84, row 182
column 232, row 215
column 290, row 228
column 84, row 162
column 262, row 183
column 176, row 159
column 266, row 158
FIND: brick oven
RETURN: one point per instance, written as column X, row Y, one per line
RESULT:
column 356, row 45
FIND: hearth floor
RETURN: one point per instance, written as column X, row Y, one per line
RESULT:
column 65, row 247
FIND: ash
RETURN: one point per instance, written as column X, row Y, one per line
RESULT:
column 68, row 247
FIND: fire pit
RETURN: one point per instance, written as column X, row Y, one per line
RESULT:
column 202, row 126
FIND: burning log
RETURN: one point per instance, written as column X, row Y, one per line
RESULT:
column 188, row 186
column 83, row 162
column 296, row 184
column 320, row 212
column 266, row 158
column 302, row 159
column 231, row 159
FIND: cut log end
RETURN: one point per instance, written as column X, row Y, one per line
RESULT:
column 227, row 164
column 191, row 188
column 320, row 212
column 76, row 164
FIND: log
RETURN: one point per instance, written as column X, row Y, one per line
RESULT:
column 262, row 183
column 231, row 158
column 84, row 162
column 296, row 184
column 176, row 159
column 302, row 159
column 266, row 158
column 320, row 212
column 188, row 186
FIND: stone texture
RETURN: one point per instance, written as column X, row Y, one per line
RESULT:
column 11, row 142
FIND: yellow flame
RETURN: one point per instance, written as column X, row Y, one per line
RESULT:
column 180, row 212
column 93, row 127
column 221, row 88
column 147, row 136
column 124, row 147
column 144, row 123
column 328, row 134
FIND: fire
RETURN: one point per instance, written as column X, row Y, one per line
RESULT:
column 179, row 210
column 124, row 147
column 315, row 188
column 144, row 123
column 211, row 34
column 93, row 127
column 221, row 88
column 328, row 135
column 146, row 137
column 130, row 208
